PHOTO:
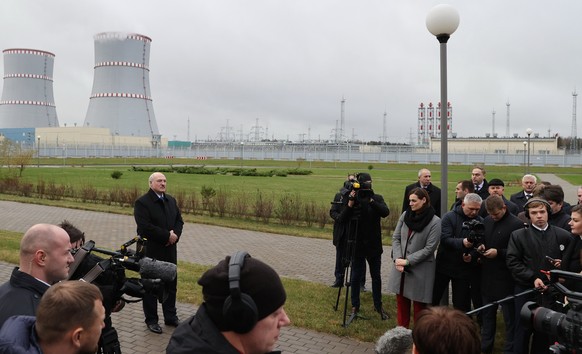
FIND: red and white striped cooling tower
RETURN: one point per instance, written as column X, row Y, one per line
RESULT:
column 121, row 98
column 27, row 96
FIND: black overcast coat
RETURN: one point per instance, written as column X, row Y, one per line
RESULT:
column 496, row 279
column 20, row 295
column 154, row 221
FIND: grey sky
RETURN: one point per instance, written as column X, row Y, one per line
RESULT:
column 288, row 63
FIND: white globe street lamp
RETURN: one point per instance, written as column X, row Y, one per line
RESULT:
column 442, row 21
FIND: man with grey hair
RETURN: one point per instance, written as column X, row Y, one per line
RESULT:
column 456, row 259
column 528, row 183
column 159, row 220
column 45, row 258
column 434, row 192
column 579, row 195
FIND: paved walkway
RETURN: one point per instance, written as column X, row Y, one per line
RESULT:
column 294, row 257
column 570, row 190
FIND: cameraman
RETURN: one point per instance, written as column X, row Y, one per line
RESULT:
column 530, row 251
column 340, row 230
column 496, row 281
column 456, row 259
column 364, row 212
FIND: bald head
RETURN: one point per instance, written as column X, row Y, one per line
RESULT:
column 44, row 253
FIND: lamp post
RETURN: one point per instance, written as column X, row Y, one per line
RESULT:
column 528, row 132
column 442, row 21
column 524, row 153
column 38, row 151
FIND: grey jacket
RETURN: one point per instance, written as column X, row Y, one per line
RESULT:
column 419, row 275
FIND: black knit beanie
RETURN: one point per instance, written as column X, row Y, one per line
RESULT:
column 257, row 279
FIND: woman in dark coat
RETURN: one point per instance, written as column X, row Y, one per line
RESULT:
column 414, row 243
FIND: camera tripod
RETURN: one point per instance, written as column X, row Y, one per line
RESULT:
column 347, row 261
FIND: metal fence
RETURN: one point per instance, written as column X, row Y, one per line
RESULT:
column 308, row 153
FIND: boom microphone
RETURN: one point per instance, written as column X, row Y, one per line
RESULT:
column 397, row 340
column 153, row 269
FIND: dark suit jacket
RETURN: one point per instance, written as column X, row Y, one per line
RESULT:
column 434, row 194
column 519, row 199
column 484, row 191
column 155, row 218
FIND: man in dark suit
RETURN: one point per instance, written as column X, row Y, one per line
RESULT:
column 528, row 183
column 481, row 185
column 434, row 192
column 159, row 221
column 497, row 187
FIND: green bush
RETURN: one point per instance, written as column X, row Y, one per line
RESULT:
column 116, row 174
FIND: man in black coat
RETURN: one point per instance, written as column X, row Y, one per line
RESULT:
column 540, row 247
column 456, row 259
column 229, row 324
column 159, row 221
column 366, row 209
column 497, row 187
column 496, row 280
column 434, row 192
column 528, row 183
column 44, row 260
column 481, row 184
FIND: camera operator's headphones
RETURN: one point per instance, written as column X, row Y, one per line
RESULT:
column 239, row 310
column 527, row 205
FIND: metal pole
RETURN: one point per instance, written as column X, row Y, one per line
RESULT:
column 444, row 131
column 528, row 145
column 38, row 153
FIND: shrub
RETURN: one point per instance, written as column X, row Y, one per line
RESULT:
column 116, row 174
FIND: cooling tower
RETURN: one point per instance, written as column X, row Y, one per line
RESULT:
column 121, row 97
column 27, row 97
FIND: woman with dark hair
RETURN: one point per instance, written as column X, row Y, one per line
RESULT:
column 414, row 243
column 572, row 259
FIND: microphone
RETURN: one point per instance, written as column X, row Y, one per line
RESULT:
column 153, row 269
column 397, row 340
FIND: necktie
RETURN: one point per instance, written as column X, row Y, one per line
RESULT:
column 527, row 196
column 476, row 188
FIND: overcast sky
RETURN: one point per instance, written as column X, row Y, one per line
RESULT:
column 287, row 63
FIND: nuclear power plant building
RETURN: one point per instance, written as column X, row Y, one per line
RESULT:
column 27, row 95
column 121, row 98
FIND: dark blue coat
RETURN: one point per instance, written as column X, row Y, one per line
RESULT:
column 19, row 337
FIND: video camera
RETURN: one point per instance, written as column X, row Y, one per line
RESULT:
column 363, row 190
column 476, row 231
column 565, row 327
column 109, row 273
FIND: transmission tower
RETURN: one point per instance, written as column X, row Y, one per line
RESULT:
column 384, row 138
column 507, row 119
column 493, row 123
column 574, row 134
column 342, row 119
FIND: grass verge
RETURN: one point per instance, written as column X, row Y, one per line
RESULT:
column 309, row 305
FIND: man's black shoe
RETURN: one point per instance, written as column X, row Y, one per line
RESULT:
column 336, row 284
column 154, row 327
column 383, row 314
column 172, row 323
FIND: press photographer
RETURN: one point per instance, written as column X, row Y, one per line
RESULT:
column 109, row 274
column 364, row 211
